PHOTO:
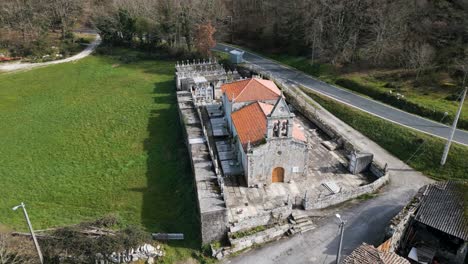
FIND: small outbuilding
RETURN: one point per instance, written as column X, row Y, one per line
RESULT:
column 236, row 56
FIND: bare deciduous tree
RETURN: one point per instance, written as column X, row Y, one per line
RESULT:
column 420, row 57
column 65, row 14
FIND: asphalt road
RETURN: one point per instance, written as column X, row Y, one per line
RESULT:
column 368, row 105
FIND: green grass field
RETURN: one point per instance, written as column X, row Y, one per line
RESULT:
column 403, row 142
column 95, row 137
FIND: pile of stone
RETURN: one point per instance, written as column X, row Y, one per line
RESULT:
column 146, row 253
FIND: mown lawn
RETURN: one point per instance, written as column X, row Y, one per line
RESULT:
column 420, row 151
column 95, row 137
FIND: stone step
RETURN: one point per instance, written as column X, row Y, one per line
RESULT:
column 308, row 223
column 299, row 215
column 307, row 228
column 302, row 220
column 301, row 229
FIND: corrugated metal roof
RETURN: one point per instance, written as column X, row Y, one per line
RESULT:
column 442, row 207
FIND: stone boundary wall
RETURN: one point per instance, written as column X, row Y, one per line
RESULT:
column 313, row 114
column 343, row 196
column 398, row 225
column 210, row 200
column 258, row 238
column 269, row 217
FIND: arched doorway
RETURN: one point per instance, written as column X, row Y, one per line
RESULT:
column 277, row 175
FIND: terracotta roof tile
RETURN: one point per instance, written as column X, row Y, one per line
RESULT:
column 298, row 132
column 250, row 123
column 367, row 254
column 266, row 108
column 253, row 89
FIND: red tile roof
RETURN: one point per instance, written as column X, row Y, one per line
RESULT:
column 298, row 132
column 266, row 108
column 253, row 89
column 367, row 254
column 251, row 124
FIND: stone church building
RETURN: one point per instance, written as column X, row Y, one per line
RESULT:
column 270, row 145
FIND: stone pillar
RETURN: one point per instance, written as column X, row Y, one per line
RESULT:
column 290, row 127
column 270, row 124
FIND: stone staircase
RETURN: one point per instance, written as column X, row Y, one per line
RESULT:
column 300, row 223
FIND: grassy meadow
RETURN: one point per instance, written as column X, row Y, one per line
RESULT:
column 96, row 137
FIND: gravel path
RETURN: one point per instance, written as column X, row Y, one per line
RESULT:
column 18, row 66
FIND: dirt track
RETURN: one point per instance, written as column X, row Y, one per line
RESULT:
column 18, row 66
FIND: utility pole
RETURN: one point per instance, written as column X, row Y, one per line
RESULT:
column 36, row 244
column 341, row 225
column 454, row 128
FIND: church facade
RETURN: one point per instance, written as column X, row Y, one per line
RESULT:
column 270, row 145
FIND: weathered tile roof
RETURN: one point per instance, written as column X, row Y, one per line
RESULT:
column 442, row 207
column 249, row 90
column 298, row 132
column 367, row 254
column 251, row 124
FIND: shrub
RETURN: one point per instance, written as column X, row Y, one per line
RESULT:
column 73, row 241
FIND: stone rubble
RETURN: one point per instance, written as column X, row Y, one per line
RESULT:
column 145, row 252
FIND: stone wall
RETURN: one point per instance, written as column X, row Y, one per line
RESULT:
column 213, row 226
column 276, row 215
column 258, row 238
column 398, row 225
column 210, row 199
column 282, row 152
column 343, row 196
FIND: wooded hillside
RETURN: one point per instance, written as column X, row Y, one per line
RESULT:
column 410, row 33
column 415, row 34
column 180, row 25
